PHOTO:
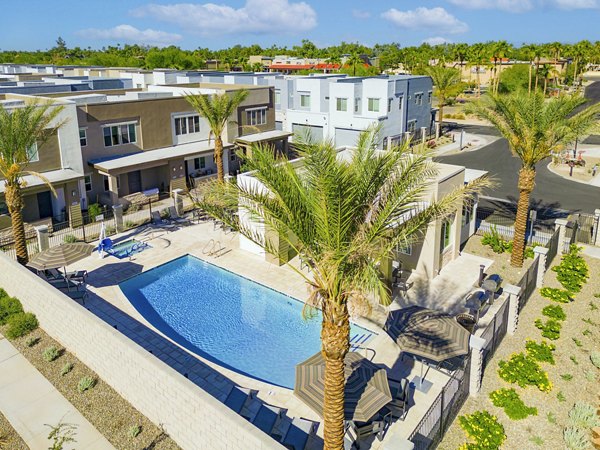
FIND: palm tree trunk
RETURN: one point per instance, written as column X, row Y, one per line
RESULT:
column 335, row 341
column 529, row 88
column 537, row 70
column 545, row 85
column 441, row 113
column 526, row 185
column 478, row 83
column 14, row 202
column 219, row 157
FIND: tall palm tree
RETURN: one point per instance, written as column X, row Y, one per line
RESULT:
column 538, row 52
column 22, row 128
column 217, row 109
column 479, row 58
column 446, row 82
column 502, row 49
column 535, row 129
column 460, row 53
column 344, row 218
column 353, row 61
column 528, row 51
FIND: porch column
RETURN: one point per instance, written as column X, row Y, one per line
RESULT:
column 561, row 225
column 423, row 134
column 118, row 212
column 540, row 253
column 596, row 240
column 473, row 222
column 407, row 136
column 437, row 130
column 42, row 237
column 178, row 201
column 514, row 295
column 113, row 189
column 477, row 345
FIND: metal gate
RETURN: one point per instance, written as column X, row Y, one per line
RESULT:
column 585, row 229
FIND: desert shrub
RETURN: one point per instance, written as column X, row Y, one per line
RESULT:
column 567, row 376
column 554, row 312
column 542, row 351
column 21, row 324
column 134, row 431
column 69, row 239
column 524, row 371
column 86, row 383
column 9, row 306
column 572, row 271
column 556, row 295
column 583, row 415
column 32, row 341
column 66, row 369
column 590, row 375
column 134, row 207
column 550, row 329
column 483, row 429
column 575, row 439
column 50, row 353
column 595, row 358
column 513, row 406
column 496, row 242
column 130, row 224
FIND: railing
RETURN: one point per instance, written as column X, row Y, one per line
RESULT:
column 494, row 333
column 528, row 282
column 552, row 248
column 432, row 427
column 487, row 219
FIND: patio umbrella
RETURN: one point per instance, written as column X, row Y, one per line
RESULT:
column 367, row 389
column 60, row 256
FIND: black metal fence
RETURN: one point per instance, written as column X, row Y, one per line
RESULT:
column 552, row 246
column 528, row 283
column 488, row 219
column 494, row 333
column 444, row 409
column 582, row 228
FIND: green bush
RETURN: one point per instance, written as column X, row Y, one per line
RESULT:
column 567, row 376
column 69, row 239
column 556, row 295
column 66, row 369
column 524, row 371
column 513, row 406
column 572, row 271
column 550, row 329
column 483, row 429
column 590, row 375
column 554, row 312
column 32, row 341
column 134, row 431
column 493, row 240
column 50, row 353
column 583, row 415
column 94, row 210
column 21, row 324
column 542, row 351
column 9, row 306
column 575, row 439
column 595, row 358
column 85, row 384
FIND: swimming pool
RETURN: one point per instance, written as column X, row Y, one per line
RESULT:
column 228, row 319
column 127, row 248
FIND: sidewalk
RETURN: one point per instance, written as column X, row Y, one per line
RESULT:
column 29, row 401
column 471, row 142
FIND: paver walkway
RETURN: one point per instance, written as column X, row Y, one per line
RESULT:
column 29, row 401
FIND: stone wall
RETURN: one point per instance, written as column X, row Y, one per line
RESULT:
column 191, row 416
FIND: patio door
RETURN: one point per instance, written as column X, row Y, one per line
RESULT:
column 134, row 181
column 44, row 201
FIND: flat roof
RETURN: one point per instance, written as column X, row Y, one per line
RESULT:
column 264, row 136
column 54, row 176
column 158, row 156
column 474, row 174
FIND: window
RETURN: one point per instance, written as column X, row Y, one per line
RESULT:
column 400, row 101
column 199, row 163
column 83, row 137
column 87, row 179
column 405, row 250
column 187, row 124
column 390, row 102
column 419, row 98
column 256, row 116
column 119, row 134
column 341, row 104
column 412, row 126
column 466, row 211
column 277, row 97
column 429, row 97
column 305, row 100
column 357, row 105
column 373, row 105
column 106, row 187
column 445, row 236
column 32, row 153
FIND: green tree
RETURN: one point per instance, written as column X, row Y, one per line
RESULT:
column 344, row 219
column 217, row 109
column 515, row 78
column 353, row 61
column 21, row 129
column 446, row 82
column 528, row 52
column 535, row 129
column 479, row 57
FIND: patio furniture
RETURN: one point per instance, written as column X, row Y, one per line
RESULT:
column 429, row 334
column 298, row 433
column 78, row 275
column 78, row 295
column 398, row 282
column 174, row 217
column 398, row 406
column 60, row 283
column 61, row 256
column 267, row 417
column 236, row 399
column 159, row 221
column 467, row 321
column 491, row 285
column 366, row 391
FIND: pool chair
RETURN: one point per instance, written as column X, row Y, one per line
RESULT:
column 60, row 283
column 398, row 406
column 78, row 275
column 176, row 218
column 267, row 416
column 159, row 221
column 78, row 296
column 298, row 433
column 236, row 399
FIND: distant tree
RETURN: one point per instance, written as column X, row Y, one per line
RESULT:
column 515, row 78
column 353, row 61
column 479, row 57
column 446, row 83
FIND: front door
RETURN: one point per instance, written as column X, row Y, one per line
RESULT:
column 134, row 181
column 44, row 200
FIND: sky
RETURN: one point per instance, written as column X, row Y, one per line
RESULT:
column 36, row 24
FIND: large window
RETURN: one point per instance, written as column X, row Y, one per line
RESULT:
column 256, row 116
column 87, row 179
column 119, row 134
column 199, row 163
column 187, row 124
column 411, row 126
column 390, row 103
column 357, row 105
column 419, row 98
column 305, row 100
column 341, row 104
column 373, row 105
column 83, row 137
column 430, row 97
column 32, row 153
column 445, row 236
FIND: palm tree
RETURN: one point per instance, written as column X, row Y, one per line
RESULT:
column 538, row 52
column 20, row 129
column 478, row 57
column 460, row 53
column 217, row 109
column 535, row 129
column 446, row 82
column 353, row 61
column 528, row 52
column 344, row 218
column 502, row 49
column 334, row 59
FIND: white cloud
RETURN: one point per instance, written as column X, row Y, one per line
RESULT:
column 130, row 34
column 438, row 40
column 505, row 5
column 437, row 19
column 256, row 16
column 576, row 4
column 359, row 14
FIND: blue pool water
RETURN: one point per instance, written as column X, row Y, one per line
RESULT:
column 228, row 319
column 127, row 248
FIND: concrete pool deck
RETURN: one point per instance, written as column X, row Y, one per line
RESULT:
column 108, row 302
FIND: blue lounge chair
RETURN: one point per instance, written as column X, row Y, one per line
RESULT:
column 298, row 433
column 266, row 417
column 236, row 399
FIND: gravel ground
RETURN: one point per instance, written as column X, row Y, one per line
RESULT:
column 9, row 439
column 501, row 264
column 520, row 433
column 102, row 406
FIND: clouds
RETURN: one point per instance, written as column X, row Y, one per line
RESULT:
column 438, row 40
column 576, row 4
column 255, row 17
column 132, row 35
column 360, row 14
column 519, row 6
column 422, row 18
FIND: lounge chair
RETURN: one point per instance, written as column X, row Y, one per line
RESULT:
column 78, row 275
column 175, row 217
column 398, row 406
column 267, row 417
column 236, row 399
column 350, row 438
column 298, row 433
column 78, row 296
column 157, row 220
column 60, row 283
